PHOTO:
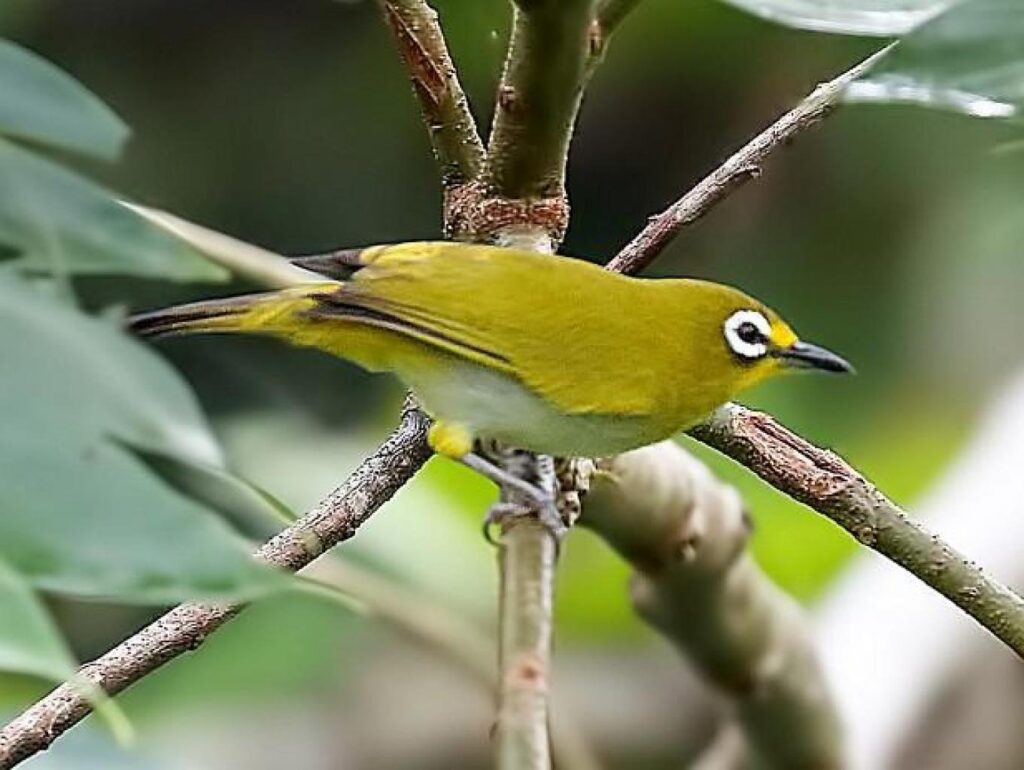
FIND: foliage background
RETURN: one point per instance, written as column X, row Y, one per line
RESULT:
column 892, row 234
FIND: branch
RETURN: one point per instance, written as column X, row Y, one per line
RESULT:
column 685, row 533
column 453, row 135
column 888, row 685
column 538, row 98
column 335, row 519
column 528, row 558
column 743, row 166
column 824, row 482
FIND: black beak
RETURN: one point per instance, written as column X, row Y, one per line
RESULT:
column 804, row 355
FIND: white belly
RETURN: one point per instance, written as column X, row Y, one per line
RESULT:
column 494, row 405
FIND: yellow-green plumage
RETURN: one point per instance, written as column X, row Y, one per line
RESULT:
column 550, row 354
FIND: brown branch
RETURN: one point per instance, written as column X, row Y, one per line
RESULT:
column 685, row 533
column 453, row 134
column 824, row 482
column 335, row 519
column 743, row 166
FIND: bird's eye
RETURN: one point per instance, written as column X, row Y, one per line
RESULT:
column 748, row 332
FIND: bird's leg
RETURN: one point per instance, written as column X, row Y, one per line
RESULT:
column 542, row 501
column 456, row 441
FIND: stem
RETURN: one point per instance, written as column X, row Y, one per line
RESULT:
column 335, row 519
column 743, row 166
column 824, row 482
column 538, row 98
column 453, row 135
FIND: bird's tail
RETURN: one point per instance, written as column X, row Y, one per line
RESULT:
column 252, row 312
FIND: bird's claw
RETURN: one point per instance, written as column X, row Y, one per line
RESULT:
column 546, row 511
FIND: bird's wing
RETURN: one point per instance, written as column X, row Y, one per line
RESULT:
column 565, row 328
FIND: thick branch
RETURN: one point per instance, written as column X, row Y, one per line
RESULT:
column 824, row 482
column 538, row 98
column 685, row 533
column 453, row 133
column 335, row 519
column 743, row 166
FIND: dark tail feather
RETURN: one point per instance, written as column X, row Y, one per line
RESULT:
column 339, row 265
column 207, row 316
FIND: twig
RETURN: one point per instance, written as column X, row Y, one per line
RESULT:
column 538, row 98
column 335, row 519
column 685, row 533
column 824, row 482
column 453, row 135
column 743, row 166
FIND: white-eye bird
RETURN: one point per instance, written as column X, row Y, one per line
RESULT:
column 554, row 355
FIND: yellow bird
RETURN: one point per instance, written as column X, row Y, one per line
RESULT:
column 549, row 354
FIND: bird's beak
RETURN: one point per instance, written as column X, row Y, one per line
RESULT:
column 804, row 355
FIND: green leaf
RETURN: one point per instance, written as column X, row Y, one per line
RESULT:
column 29, row 641
column 61, row 223
column 969, row 59
column 884, row 18
column 44, row 104
column 78, row 513
column 248, row 507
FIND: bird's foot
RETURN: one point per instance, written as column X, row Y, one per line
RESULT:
column 546, row 512
column 533, row 500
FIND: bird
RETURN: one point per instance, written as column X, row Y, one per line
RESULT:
column 545, row 353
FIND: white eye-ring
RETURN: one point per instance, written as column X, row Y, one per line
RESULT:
column 748, row 333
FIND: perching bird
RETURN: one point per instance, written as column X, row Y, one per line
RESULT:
column 553, row 355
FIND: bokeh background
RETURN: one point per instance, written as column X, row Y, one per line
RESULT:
column 890, row 234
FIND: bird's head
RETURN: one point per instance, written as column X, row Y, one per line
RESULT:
column 749, row 342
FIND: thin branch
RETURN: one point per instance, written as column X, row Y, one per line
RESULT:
column 824, row 482
column 453, row 134
column 335, row 519
column 743, row 166
column 685, row 533
column 538, row 98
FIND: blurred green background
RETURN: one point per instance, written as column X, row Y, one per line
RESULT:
column 891, row 234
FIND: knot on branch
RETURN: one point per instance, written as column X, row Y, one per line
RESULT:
column 473, row 210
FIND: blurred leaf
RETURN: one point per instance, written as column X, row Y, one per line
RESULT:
column 29, row 641
column 78, row 513
column 244, row 259
column 44, row 104
column 62, row 223
column 969, row 59
column 252, row 510
column 884, row 18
